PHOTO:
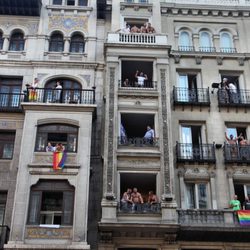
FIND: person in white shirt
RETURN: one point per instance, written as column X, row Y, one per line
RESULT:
column 149, row 135
column 58, row 91
column 232, row 90
column 141, row 78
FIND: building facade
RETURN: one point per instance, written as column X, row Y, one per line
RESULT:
column 134, row 106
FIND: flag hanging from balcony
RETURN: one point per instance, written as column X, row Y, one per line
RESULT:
column 244, row 217
column 59, row 159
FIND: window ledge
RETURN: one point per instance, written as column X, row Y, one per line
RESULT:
column 69, row 7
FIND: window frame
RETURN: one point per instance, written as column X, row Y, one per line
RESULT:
column 3, row 203
column 17, row 43
column 209, row 37
column 56, row 44
column 9, row 140
column 180, row 40
column 76, row 45
column 53, row 2
column 230, row 40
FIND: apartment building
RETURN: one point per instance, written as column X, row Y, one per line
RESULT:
column 145, row 110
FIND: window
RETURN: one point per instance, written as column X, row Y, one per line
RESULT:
column 7, row 140
column 70, row 2
column 51, row 203
column 10, row 89
column 206, row 42
column 1, row 40
column 77, row 43
column 3, row 200
column 242, row 190
column 82, row 2
column 185, row 43
column 17, row 41
column 57, row 2
column 236, row 131
column 196, row 196
column 56, row 133
column 226, row 43
column 56, row 42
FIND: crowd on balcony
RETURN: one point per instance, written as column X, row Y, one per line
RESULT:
column 133, row 201
column 145, row 28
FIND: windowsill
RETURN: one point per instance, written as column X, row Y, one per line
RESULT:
column 13, row 52
column 6, row 159
column 47, row 153
column 61, row 53
column 69, row 7
column 49, row 226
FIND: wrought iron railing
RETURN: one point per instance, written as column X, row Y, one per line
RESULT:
column 228, row 50
column 69, row 96
column 198, row 96
column 136, row 1
column 138, row 141
column 207, row 49
column 134, row 85
column 186, row 48
column 195, row 153
column 139, row 208
column 236, row 153
column 10, row 102
column 4, row 235
column 240, row 98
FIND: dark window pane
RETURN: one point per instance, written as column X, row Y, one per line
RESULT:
column 68, row 202
column 6, row 145
column 56, row 43
column 57, row 2
column 77, row 44
column 1, row 41
column 17, row 42
column 71, row 2
column 34, row 207
column 3, row 200
column 52, row 201
column 82, row 2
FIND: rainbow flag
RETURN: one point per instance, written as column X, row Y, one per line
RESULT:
column 59, row 159
column 244, row 217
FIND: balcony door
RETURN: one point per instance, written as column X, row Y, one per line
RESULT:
column 3, row 199
column 187, row 85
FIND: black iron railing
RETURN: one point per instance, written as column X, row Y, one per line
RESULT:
column 139, row 208
column 236, row 153
column 228, row 98
column 10, row 102
column 195, row 153
column 134, row 85
column 138, row 141
column 186, row 48
column 228, row 50
column 198, row 96
column 69, row 96
column 207, row 49
column 4, row 235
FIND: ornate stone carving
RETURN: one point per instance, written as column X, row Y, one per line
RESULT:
column 167, row 189
column 48, row 233
column 68, row 23
column 111, row 130
column 219, row 60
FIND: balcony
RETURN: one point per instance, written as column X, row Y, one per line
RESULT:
column 239, row 99
column 137, row 38
column 4, row 233
column 148, row 85
column 140, row 208
column 207, row 49
column 212, row 2
column 196, row 97
column 187, row 152
column 186, row 48
column 138, row 142
column 228, row 50
column 10, row 102
column 236, row 153
column 67, row 96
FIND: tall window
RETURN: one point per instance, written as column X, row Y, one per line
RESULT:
column 1, row 40
column 56, row 42
column 185, row 42
column 51, row 203
column 196, row 196
column 17, row 41
column 57, row 133
column 77, row 43
column 3, row 200
column 7, row 140
column 70, row 2
column 206, row 42
column 226, row 43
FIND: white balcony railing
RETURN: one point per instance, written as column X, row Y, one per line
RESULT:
column 212, row 2
column 137, row 38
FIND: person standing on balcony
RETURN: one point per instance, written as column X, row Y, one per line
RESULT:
column 246, row 203
column 235, row 203
column 149, row 135
column 152, row 198
column 126, row 200
column 233, row 149
column 143, row 28
column 58, row 91
column 33, row 90
column 224, row 98
column 135, row 29
column 141, row 78
column 136, row 199
column 150, row 29
column 232, row 92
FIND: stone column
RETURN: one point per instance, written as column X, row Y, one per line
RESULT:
column 6, row 43
column 231, row 185
column 182, row 188
column 216, row 41
column 213, row 190
column 66, row 45
column 196, row 42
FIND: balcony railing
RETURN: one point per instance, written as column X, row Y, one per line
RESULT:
column 198, row 96
column 227, row 98
column 10, row 102
column 213, row 2
column 207, row 217
column 237, row 153
column 4, row 235
column 228, row 50
column 140, row 208
column 137, row 38
column 136, row 1
column 134, row 85
column 186, row 48
column 195, row 153
column 69, row 96
column 207, row 49
column 138, row 142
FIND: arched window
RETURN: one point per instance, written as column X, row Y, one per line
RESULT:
column 77, row 43
column 56, row 133
column 71, row 91
column 17, row 41
column 56, row 42
column 1, row 40
column 205, row 42
column 226, row 43
column 185, row 42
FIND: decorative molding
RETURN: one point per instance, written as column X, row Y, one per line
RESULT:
column 219, row 60
column 86, row 78
column 198, row 59
column 241, row 61
column 48, row 233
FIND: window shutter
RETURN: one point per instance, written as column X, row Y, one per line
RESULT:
column 34, row 207
column 68, row 204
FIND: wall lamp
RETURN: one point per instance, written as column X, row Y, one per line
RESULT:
column 215, row 85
